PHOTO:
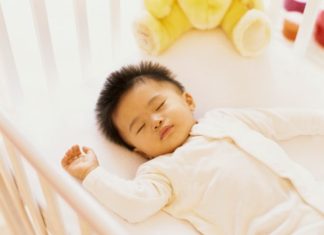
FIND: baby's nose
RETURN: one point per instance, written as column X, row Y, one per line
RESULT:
column 157, row 124
column 156, row 121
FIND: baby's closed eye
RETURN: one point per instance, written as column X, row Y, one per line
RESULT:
column 160, row 106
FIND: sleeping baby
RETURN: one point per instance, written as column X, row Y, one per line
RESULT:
column 224, row 173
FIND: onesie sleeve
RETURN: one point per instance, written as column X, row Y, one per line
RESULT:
column 134, row 200
column 280, row 124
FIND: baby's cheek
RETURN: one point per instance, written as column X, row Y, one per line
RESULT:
column 142, row 143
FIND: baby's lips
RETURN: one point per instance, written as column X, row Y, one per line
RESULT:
column 164, row 130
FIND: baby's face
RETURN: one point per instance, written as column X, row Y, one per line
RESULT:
column 154, row 117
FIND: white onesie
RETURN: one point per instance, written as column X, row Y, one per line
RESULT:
column 227, row 178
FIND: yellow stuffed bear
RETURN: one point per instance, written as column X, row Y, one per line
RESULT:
column 243, row 21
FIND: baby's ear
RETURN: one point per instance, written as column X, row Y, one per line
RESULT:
column 189, row 100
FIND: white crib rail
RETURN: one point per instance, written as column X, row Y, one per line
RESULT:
column 83, row 204
column 81, row 24
column 23, row 188
column 40, row 19
column 115, row 25
column 17, row 201
column 7, row 63
column 50, row 48
column 307, row 26
column 11, row 202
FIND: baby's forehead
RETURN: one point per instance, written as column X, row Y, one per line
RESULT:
column 153, row 83
column 144, row 94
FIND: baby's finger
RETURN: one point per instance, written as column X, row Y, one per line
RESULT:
column 66, row 160
column 85, row 149
column 88, row 150
column 70, row 155
column 70, row 151
column 76, row 150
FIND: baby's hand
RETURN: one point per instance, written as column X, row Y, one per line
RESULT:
column 79, row 164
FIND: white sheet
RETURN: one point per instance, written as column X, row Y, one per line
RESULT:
column 216, row 75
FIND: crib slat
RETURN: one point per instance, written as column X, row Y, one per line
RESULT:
column 9, row 211
column 16, row 205
column 274, row 11
column 24, row 188
column 85, row 205
column 115, row 26
column 307, row 26
column 53, row 217
column 82, row 28
column 40, row 19
column 7, row 62
column 84, row 227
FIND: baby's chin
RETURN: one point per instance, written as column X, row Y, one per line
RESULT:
column 168, row 149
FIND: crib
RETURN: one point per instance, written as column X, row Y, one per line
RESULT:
column 48, row 91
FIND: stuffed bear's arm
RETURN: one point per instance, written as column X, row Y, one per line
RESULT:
column 253, row 4
column 159, row 8
column 155, row 35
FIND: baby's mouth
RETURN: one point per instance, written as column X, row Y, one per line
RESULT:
column 165, row 131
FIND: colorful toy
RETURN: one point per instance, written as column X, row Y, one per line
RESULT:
column 295, row 5
column 243, row 21
column 319, row 29
column 293, row 17
column 291, row 24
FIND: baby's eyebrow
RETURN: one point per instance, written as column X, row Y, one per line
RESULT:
column 153, row 99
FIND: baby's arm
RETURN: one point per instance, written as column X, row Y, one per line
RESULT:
column 134, row 200
column 281, row 124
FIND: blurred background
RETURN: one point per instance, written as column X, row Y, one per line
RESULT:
column 107, row 27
